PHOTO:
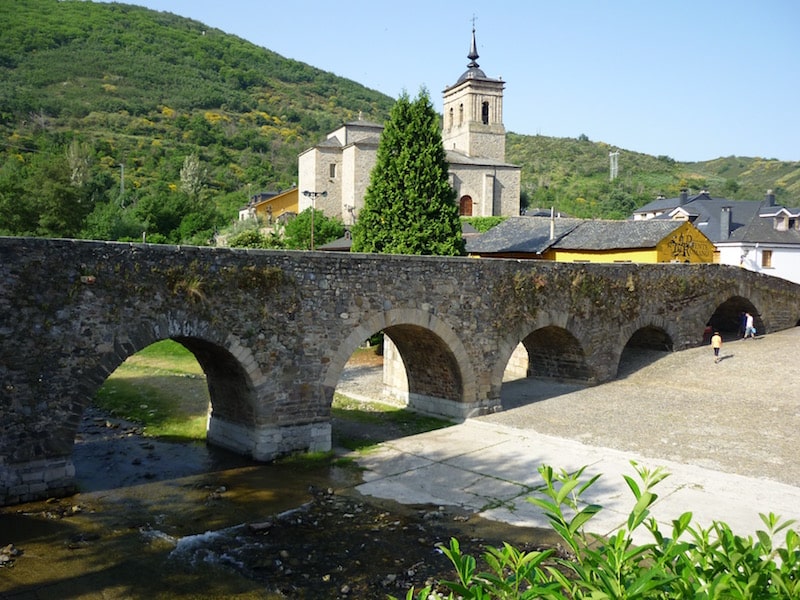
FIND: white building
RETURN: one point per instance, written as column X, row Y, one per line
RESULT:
column 474, row 140
column 769, row 244
column 756, row 235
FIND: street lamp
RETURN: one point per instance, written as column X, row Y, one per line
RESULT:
column 313, row 196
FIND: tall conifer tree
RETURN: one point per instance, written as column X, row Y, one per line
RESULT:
column 409, row 206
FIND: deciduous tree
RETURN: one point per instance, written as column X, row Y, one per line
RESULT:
column 297, row 233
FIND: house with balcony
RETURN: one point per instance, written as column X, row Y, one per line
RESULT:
column 271, row 207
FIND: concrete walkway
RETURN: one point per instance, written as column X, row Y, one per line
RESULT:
column 726, row 433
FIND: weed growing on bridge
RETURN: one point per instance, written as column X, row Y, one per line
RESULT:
column 264, row 280
column 693, row 562
column 192, row 287
column 519, row 298
column 581, row 292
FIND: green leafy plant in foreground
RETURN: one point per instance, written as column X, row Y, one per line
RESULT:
column 692, row 562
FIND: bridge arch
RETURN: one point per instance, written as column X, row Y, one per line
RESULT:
column 551, row 351
column 649, row 333
column 556, row 353
column 439, row 373
column 232, row 373
column 727, row 316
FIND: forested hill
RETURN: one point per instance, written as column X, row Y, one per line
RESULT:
column 88, row 87
column 573, row 175
column 201, row 119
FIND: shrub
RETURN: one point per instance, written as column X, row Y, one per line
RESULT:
column 692, row 562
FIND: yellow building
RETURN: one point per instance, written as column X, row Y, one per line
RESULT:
column 579, row 240
column 268, row 207
column 627, row 241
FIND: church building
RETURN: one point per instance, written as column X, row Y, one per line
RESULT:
column 474, row 138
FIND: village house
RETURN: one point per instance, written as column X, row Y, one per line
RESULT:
column 769, row 243
column 581, row 240
column 270, row 207
column 756, row 235
column 716, row 217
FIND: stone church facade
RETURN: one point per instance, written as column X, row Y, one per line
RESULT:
column 474, row 140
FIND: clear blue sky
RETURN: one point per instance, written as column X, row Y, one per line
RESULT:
column 690, row 79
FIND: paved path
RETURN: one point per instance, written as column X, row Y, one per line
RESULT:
column 726, row 432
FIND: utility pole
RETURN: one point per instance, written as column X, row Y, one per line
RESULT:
column 313, row 196
column 614, row 159
column 122, row 184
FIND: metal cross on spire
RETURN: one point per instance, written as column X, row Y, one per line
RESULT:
column 473, row 50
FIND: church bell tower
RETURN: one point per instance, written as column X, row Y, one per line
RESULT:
column 473, row 113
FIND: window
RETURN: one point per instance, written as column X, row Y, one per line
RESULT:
column 333, row 170
column 450, row 123
column 485, row 113
column 460, row 114
column 766, row 259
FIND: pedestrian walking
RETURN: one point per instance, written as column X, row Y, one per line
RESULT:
column 716, row 344
column 749, row 328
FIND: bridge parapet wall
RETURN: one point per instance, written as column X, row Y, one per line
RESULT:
column 273, row 330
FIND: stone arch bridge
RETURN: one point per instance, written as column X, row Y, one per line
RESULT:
column 273, row 330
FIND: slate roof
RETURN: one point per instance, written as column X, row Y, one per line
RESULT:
column 343, row 244
column 761, row 228
column 617, row 235
column 363, row 124
column 659, row 205
column 330, row 142
column 705, row 212
column 530, row 235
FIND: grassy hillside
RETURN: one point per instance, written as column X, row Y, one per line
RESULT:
column 116, row 120
column 89, row 87
column 573, row 176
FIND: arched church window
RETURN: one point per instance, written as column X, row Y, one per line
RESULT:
column 460, row 114
column 450, row 123
column 465, row 206
column 485, row 113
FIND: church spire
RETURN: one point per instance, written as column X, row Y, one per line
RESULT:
column 473, row 52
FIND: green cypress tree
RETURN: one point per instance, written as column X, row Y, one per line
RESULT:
column 409, row 206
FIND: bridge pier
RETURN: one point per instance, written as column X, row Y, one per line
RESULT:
column 268, row 442
column 37, row 479
column 450, row 409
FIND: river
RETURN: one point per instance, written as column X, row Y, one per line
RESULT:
column 157, row 520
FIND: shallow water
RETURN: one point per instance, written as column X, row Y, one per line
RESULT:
column 147, row 519
column 172, row 520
